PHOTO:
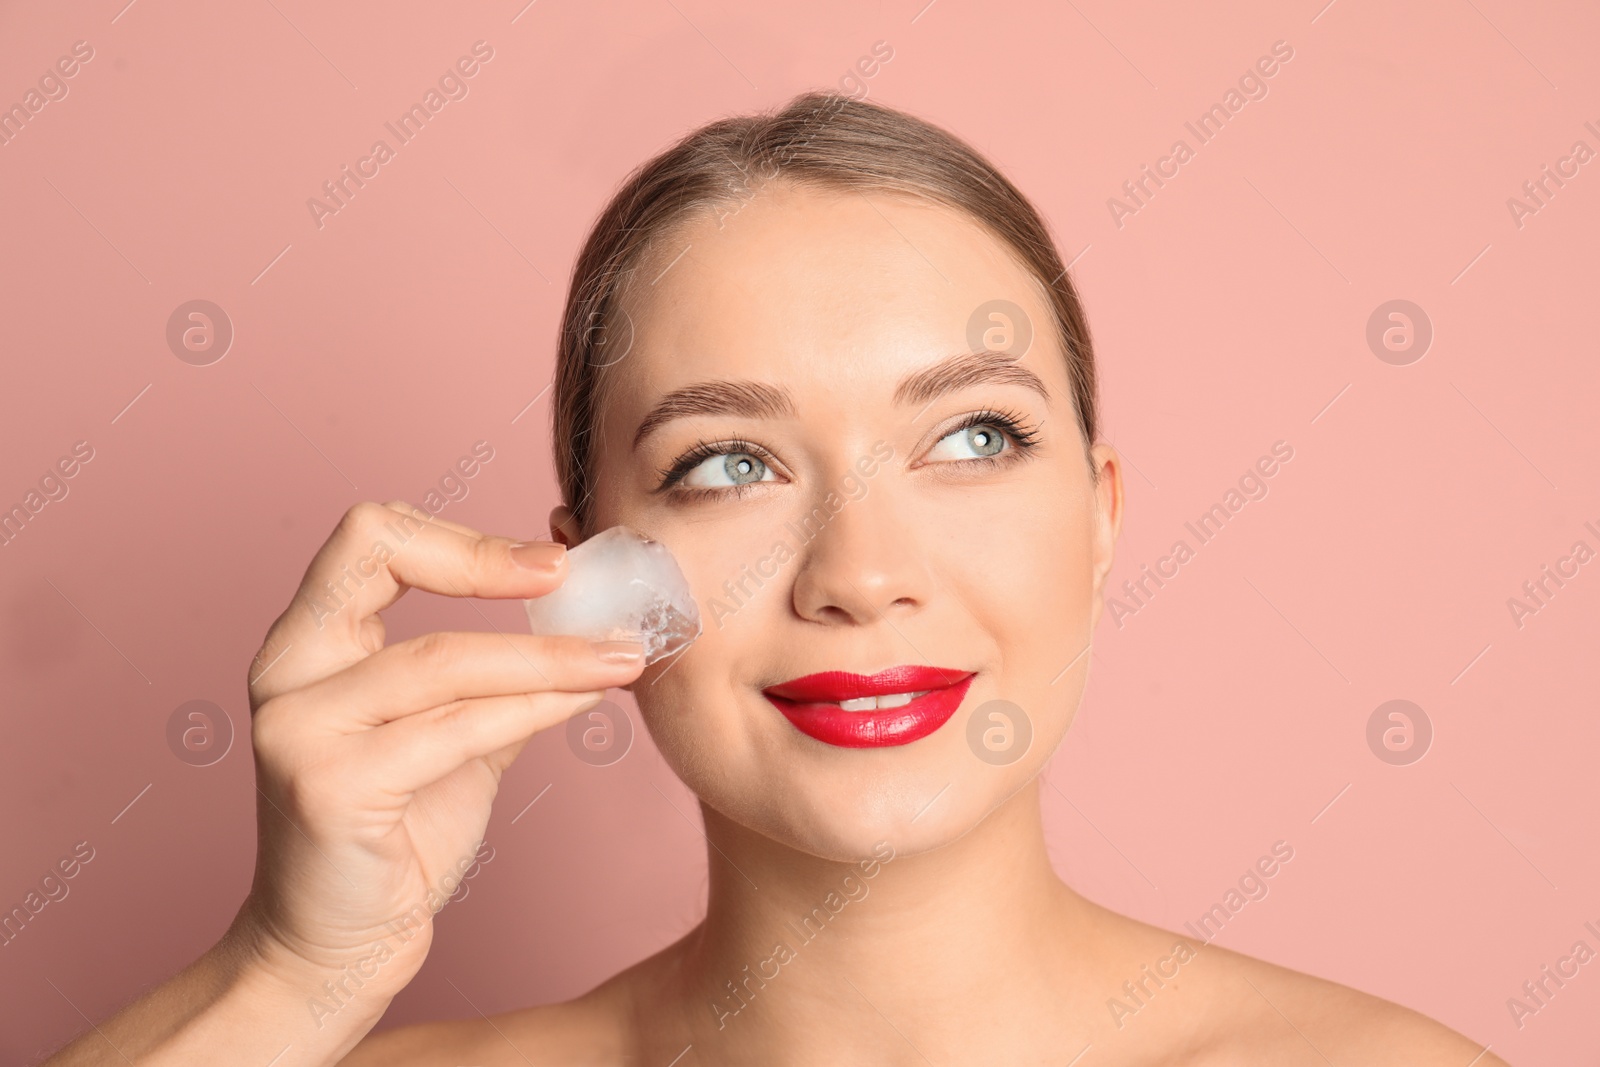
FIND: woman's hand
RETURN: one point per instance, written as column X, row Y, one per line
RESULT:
column 376, row 766
column 375, row 769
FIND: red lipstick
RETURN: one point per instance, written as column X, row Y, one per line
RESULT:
column 812, row 703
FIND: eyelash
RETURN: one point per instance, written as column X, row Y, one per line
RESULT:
column 702, row 451
column 1023, row 439
column 1022, row 436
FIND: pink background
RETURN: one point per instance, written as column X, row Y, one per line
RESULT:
column 1230, row 312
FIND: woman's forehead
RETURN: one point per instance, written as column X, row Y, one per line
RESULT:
column 857, row 287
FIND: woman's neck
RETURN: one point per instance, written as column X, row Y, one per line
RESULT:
column 807, row 954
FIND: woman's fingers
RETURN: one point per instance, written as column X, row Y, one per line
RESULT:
column 417, row 751
column 375, row 554
column 407, row 508
column 444, row 667
column 378, row 551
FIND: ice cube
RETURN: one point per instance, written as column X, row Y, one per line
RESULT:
column 621, row 586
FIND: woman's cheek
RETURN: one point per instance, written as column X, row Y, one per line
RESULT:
column 733, row 565
column 1040, row 561
column 1055, row 583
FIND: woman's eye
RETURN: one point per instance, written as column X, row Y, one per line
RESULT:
column 726, row 470
column 979, row 441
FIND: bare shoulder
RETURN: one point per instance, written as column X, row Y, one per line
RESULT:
column 596, row 1028
column 574, row 1033
column 1195, row 1003
column 1288, row 1017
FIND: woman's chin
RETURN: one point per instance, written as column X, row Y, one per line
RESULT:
column 840, row 802
column 847, row 823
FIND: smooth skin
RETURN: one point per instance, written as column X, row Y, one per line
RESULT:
column 966, row 947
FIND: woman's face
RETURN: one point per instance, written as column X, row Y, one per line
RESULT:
column 857, row 502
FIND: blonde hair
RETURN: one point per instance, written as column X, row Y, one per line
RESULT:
column 819, row 139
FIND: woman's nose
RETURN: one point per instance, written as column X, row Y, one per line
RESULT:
column 863, row 564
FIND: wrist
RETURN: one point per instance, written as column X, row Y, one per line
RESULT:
column 246, row 1002
column 264, row 1002
column 359, row 983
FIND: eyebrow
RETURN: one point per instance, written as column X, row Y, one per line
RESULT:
column 758, row 400
column 967, row 368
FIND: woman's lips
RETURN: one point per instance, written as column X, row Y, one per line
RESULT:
column 812, row 704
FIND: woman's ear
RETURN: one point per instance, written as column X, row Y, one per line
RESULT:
column 563, row 528
column 1107, row 520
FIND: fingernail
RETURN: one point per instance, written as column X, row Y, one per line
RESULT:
column 538, row 555
column 617, row 651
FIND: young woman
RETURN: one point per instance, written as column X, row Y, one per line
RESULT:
column 831, row 358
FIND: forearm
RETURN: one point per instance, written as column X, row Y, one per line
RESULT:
column 233, row 1005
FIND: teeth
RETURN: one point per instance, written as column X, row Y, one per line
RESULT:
column 888, row 700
